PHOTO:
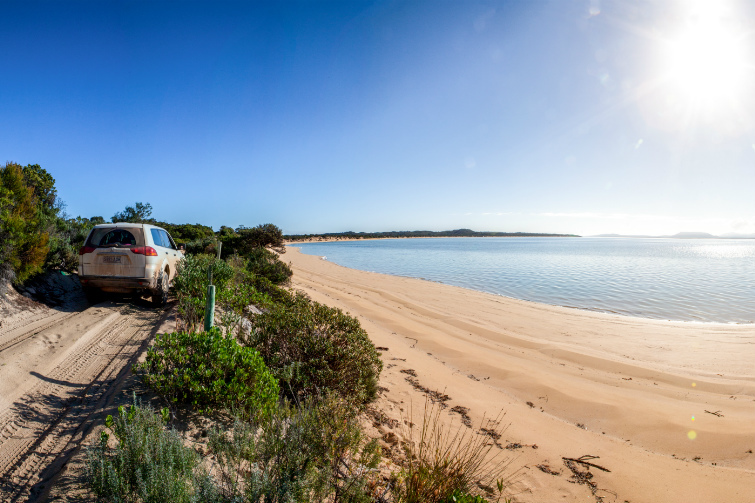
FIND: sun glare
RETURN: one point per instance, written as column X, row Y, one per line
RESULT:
column 706, row 62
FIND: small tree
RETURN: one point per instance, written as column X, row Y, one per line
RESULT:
column 138, row 213
column 43, row 185
column 24, row 236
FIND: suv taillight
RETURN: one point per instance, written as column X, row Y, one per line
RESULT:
column 86, row 249
column 144, row 250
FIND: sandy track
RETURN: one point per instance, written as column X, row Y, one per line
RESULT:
column 57, row 371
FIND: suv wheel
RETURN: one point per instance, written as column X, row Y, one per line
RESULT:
column 160, row 296
column 93, row 295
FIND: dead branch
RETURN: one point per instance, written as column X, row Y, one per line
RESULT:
column 717, row 413
column 583, row 461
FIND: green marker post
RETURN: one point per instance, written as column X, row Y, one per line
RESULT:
column 209, row 308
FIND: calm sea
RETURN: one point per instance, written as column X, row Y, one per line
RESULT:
column 708, row 280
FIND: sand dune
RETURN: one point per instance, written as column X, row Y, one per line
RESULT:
column 632, row 391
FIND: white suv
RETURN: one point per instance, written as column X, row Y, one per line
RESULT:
column 128, row 258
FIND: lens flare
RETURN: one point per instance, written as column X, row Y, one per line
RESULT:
column 692, row 434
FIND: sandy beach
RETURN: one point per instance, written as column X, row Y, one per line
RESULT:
column 667, row 407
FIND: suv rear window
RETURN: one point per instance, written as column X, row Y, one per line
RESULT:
column 114, row 236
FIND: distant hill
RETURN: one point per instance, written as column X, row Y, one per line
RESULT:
column 418, row 234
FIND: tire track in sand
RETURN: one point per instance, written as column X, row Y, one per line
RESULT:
column 43, row 427
column 25, row 328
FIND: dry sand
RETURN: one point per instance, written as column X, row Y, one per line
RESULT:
column 668, row 407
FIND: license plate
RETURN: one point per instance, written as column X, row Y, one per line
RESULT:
column 112, row 259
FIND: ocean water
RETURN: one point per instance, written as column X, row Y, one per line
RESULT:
column 703, row 280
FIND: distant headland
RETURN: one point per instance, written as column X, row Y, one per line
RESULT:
column 465, row 233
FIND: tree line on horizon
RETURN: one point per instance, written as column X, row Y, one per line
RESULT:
column 419, row 234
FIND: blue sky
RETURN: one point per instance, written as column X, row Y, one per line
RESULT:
column 541, row 116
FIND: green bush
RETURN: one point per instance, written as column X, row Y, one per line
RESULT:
column 314, row 348
column 209, row 370
column 191, row 275
column 149, row 464
column 235, row 291
column 187, row 232
column 262, row 262
column 69, row 235
column 202, row 246
column 234, row 304
column 276, row 294
column 314, row 452
column 243, row 240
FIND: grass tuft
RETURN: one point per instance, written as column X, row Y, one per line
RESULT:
column 446, row 463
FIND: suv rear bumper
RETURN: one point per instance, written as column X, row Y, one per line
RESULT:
column 117, row 283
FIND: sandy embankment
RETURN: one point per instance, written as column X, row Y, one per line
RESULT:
column 632, row 391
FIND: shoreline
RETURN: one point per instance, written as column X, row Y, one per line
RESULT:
column 585, row 309
column 571, row 381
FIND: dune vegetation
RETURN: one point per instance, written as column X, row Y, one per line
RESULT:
column 285, row 380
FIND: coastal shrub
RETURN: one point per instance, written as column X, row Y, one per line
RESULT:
column 446, row 463
column 67, row 237
column 262, row 262
column 190, row 285
column 202, row 246
column 345, row 458
column 187, row 232
column 311, row 452
column 235, row 304
column 275, row 293
column 235, row 291
column 312, row 348
column 149, row 463
column 209, row 370
column 244, row 240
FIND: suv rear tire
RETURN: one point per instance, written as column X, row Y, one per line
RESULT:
column 160, row 295
column 93, row 295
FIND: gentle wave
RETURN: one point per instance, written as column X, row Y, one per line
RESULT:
column 687, row 280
